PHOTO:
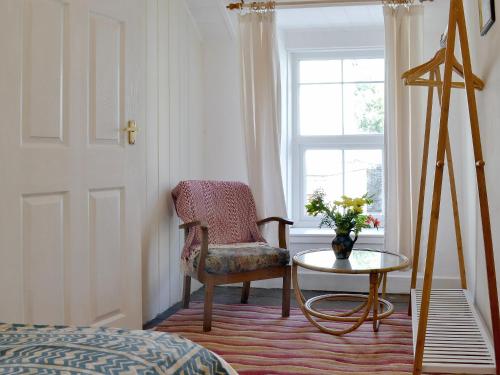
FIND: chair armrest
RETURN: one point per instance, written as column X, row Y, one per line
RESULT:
column 203, row 246
column 274, row 218
column 193, row 224
column 281, row 228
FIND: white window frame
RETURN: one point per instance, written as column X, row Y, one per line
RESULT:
column 300, row 143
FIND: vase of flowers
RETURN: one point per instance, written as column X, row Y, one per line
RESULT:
column 346, row 216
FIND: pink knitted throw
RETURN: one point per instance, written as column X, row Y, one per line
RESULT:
column 227, row 207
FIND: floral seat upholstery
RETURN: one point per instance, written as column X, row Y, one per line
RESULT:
column 240, row 257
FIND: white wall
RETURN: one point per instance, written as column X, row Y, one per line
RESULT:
column 175, row 139
column 486, row 64
column 225, row 157
column 321, row 39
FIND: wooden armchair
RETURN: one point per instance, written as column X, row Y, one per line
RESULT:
column 217, row 260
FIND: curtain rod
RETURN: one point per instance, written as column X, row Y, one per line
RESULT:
column 305, row 3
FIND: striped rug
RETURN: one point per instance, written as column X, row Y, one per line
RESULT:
column 256, row 340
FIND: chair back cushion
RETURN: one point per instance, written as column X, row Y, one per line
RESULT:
column 227, row 207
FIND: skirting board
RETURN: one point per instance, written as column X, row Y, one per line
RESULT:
column 398, row 282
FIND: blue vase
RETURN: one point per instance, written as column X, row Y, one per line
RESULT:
column 342, row 246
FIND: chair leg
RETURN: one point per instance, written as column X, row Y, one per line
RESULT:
column 186, row 291
column 207, row 315
column 245, row 292
column 285, row 309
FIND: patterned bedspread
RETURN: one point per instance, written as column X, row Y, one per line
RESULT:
column 64, row 350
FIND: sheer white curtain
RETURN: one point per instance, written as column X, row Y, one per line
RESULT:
column 403, row 126
column 261, row 111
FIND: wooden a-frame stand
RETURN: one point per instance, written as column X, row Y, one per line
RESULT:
column 456, row 21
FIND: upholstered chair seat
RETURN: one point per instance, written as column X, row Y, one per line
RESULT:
column 242, row 257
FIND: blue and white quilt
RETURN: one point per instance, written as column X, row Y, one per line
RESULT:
column 52, row 350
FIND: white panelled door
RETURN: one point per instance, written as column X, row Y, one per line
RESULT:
column 71, row 187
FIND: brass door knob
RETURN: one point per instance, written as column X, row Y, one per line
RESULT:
column 132, row 130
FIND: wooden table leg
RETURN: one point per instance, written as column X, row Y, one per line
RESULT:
column 374, row 292
column 384, row 285
column 370, row 303
column 300, row 301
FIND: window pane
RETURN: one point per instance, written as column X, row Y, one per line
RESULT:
column 364, row 108
column 320, row 71
column 323, row 170
column 320, row 109
column 364, row 174
column 364, row 70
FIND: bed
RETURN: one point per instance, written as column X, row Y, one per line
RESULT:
column 52, row 350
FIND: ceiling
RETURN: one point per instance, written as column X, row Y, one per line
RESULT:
column 216, row 23
column 331, row 17
column 212, row 19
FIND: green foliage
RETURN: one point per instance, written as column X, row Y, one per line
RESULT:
column 316, row 203
column 371, row 119
column 345, row 215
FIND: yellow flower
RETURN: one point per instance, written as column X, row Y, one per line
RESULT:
column 355, row 204
column 359, row 202
column 347, row 201
column 358, row 209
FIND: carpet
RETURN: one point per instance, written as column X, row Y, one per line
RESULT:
column 257, row 340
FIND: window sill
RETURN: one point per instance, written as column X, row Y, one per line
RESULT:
column 323, row 235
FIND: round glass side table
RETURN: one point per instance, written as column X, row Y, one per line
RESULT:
column 375, row 263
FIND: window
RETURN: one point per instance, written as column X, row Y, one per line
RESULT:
column 338, row 126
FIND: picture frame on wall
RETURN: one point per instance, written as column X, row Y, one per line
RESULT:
column 486, row 15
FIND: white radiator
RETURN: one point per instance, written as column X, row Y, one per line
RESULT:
column 457, row 340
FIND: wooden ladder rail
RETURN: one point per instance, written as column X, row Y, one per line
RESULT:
column 457, row 20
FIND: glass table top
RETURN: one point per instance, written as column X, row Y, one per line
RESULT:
column 360, row 261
